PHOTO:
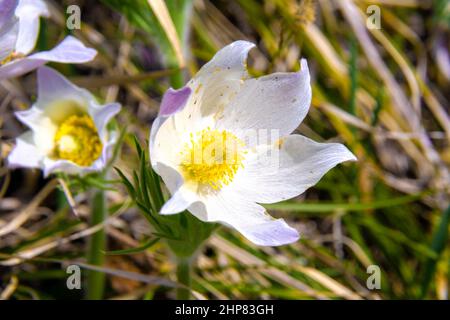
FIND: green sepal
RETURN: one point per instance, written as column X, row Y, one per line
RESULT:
column 183, row 232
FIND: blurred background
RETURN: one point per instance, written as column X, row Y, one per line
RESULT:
column 380, row 75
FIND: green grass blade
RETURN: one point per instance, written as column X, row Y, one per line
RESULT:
column 440, row 240
column 148, row 244
column 330, row 207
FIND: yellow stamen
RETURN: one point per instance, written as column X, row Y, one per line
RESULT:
column 212, row 157
column 77, row 140
column 12, row 56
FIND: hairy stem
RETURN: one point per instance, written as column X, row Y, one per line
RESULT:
column 96, row 280
column 184, row 268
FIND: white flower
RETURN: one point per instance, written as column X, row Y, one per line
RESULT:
column 221, row 103
column 68, row 129
column 19, row 30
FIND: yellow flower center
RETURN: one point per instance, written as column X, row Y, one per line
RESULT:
column 77, row 140
column 12, row 56
column 212, row 157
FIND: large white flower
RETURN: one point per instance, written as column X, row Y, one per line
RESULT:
column 19, row 30
column 224, row 182
column 68, row 129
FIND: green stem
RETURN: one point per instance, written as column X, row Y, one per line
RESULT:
column 95, row 279
column 177, row 80
column 184, row 268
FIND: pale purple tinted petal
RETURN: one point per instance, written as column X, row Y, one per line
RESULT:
column 174, row 100
column 53, row 86
column 8, row 38
column 107, row 152
column 9, row 28
column 270, row 233
column 104, row 114
column 25, row 154
column 53, row 166
column 29, row 12
column 70, row 50
column 19, row 67
column 31, row 117
column 7, row 9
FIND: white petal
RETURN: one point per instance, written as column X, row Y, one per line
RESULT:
column 70, row 50
column 167, row 140
column 214, row 85
column 53, row 166
column 211, row 89
column 250, row 219
column 278, row 101
column 180, row 201
column 29, row 12
column 32, row 117
column 58, row 97
column 25, row 153
column 43, row 128
column 291, row 167
column 166, row 144
column 108, row 149
column 232, row 57
column 156, row 125
column 173, row 101
column 171, row 177
column 102, row 114
column 52, row 86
